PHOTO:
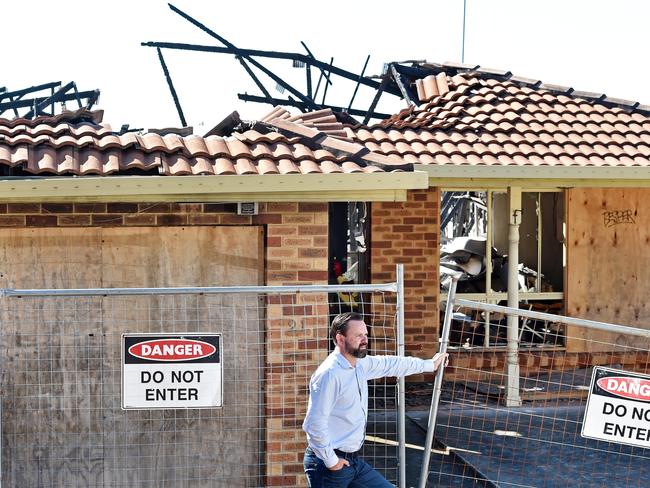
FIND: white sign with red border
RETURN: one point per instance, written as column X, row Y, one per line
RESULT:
column 171, row 371
column 618, row 407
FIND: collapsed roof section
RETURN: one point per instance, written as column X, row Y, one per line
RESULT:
column 251, row 60
column 468, row 124
column 278, row 159
column 45, row 99
column 77, row 143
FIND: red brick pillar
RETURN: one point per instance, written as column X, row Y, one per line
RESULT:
column 408, row 233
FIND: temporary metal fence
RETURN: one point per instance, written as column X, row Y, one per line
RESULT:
column 63, row 421
column 478, row 441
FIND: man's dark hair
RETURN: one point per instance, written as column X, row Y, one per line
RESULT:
column 341, row 321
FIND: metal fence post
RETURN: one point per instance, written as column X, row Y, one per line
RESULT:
column 264, row 329
column 401, row 383
column 565, row 425
column 437, row 389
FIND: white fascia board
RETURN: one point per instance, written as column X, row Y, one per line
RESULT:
column 251, row 188
column 468, row 176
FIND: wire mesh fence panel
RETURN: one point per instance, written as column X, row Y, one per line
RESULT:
column 63, row 360
column 481, row 442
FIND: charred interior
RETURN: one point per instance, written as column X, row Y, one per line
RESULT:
column 469, row 221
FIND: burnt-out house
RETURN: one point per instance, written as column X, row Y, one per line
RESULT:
column 552, row 178
column 84, row 206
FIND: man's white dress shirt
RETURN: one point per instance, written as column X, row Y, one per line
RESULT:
column 338, row 400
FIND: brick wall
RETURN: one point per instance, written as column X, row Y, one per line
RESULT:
column 408, row 233
column 296, row 332
column 296, row 249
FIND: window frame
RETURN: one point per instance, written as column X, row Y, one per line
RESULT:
column 492, row 297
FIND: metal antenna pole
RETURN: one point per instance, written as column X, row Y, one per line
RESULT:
column 462, row 55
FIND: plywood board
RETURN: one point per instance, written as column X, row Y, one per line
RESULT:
column 50, row 257
column 608, row 264
column 62, row 423
column 182, row 256
column 130, row 256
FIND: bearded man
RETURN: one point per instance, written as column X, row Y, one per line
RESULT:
column 338, row 406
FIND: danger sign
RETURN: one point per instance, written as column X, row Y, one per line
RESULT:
column 618, row 408
column 171, row 371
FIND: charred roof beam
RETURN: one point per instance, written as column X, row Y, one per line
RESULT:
column 25, row 91
column 296, row 103
column 322, row 65
column 225, row 42
column 172, row 90
column 62, row 93
column 356, row 88
column 306, row 98
column 308, row 76
column 327, row 84
column 91, row 97
column 240, row 52
column 403, row 84
column 322, row 71
column 371, row 110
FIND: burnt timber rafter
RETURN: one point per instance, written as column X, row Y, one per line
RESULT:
column 322, row 71
column 24, row 91
column 273, row 55
column 295, row 103
column 396, row 78
column 371, row 110
column 356, row 88
column 14, row 100
column 170, row 84
column 242, row 54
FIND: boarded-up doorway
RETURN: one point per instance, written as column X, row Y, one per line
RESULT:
column 62, row 424
column 608, row 264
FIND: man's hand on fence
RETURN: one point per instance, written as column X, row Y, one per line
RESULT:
column 438, row 358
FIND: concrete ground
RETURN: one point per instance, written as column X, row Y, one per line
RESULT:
column 454, row 472
column 542, row 447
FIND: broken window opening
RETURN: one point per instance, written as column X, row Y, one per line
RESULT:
column 474, row 244
column 349, row 262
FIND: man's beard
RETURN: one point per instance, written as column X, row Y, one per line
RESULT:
column 358, row 352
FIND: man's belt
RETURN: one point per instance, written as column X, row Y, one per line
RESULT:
column 347, row 455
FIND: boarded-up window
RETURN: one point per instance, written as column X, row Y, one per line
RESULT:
column 62, row 424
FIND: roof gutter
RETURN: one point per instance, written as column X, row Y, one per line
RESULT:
column 231, row 188
column 469, row 176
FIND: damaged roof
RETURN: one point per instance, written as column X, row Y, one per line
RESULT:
column 469, row 116
column 305, row 157
column 78, row 143
column 466, row 124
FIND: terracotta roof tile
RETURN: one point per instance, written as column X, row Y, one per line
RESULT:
column 76, row 143
column 237, row 148
column 489, row 117
column 352, row 167
column 321, row 120
column 309, row 166
column 287, row 166
column 223, row 166
column 267, row 166
column 73, row 117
